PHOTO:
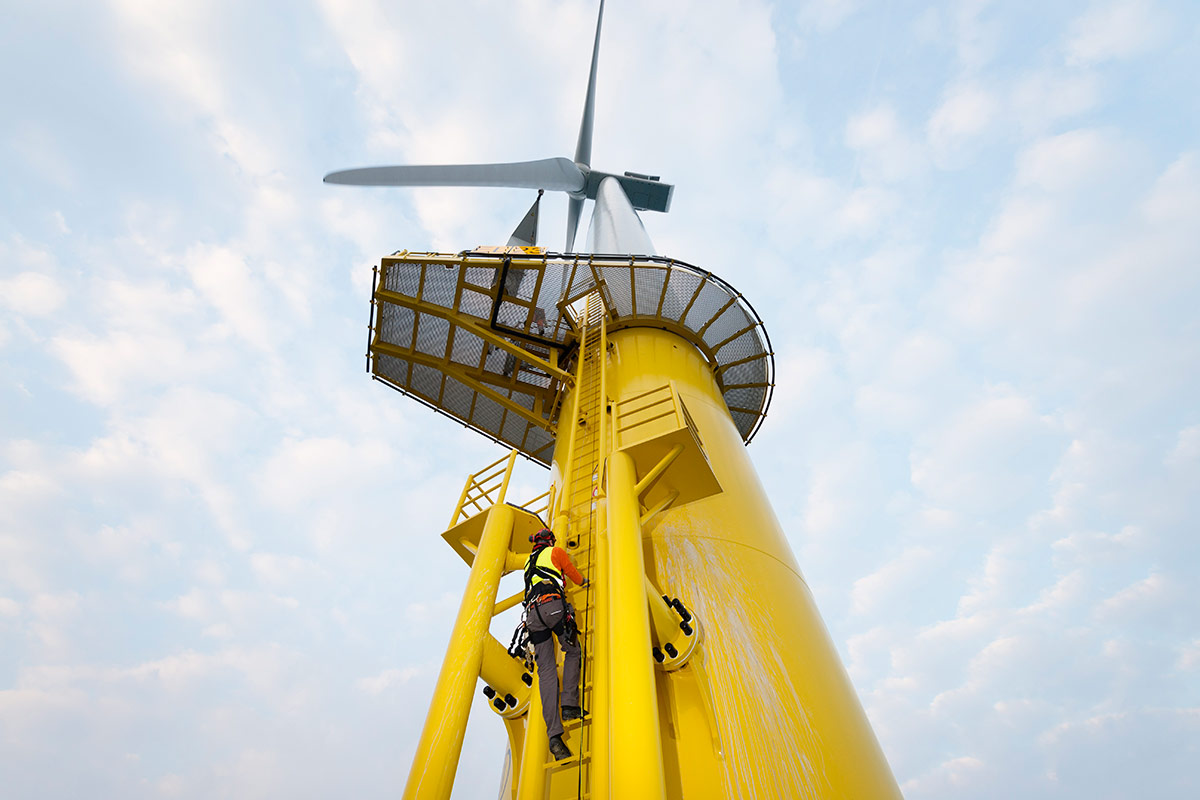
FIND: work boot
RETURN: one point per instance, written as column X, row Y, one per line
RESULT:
column 572, row 712
column 558, row 748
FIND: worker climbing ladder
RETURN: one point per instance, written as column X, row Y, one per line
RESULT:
column 577, row 524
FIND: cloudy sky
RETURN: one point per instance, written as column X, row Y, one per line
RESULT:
column 970, row 228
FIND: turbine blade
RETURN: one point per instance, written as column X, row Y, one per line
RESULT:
column 555, row 174
column 526, row 233
column 583, row 149
column 574, row 208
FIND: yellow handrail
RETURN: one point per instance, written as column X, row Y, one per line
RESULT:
column 479, row 488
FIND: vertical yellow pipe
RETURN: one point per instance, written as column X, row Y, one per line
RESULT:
column 532, row 783
column 601, row 637
column 516, row 744
column 462, row 499
column 436, row 759
column 600, row 665
column 512, row 459
column 636, row 750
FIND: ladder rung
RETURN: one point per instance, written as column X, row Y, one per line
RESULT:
column 576, row 760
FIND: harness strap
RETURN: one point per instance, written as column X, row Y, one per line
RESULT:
column 532, row 569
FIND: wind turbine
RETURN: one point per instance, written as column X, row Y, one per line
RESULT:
column 638, row 380
column 575, row 177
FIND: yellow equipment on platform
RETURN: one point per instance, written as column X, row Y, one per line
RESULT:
column 707, row 671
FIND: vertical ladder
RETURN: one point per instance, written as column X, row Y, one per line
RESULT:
column 570, row 778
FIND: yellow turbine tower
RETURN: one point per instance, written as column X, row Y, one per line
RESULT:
column 638, row 380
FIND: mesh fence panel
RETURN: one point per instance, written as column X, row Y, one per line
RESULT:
column 441, row 284
column 750, row 372
column 744, row 398
column 402, row 279
column 482, row 276
column 476, row 304
column 539, row 444
column 617, row 281
column 394, row 369
column 396, row 324
column 732, row 320
column 456, row 398
column 581, row 279
column 431, row 335
column 512, row 315
column 467, row 348
column 649, row 283
column 744, row 346
column 708, row 303
column 539, row 379
column 487, row 414
column 532, row 308
column 681, row 285
column 427, row 382
column 514, row 428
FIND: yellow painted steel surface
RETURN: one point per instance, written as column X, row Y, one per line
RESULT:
column 635, row 752
column 436, row 759
column 737, row 691
column 785, row 721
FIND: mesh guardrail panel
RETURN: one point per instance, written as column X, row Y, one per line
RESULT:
column 432, row 313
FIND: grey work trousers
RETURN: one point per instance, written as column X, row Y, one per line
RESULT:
column 544, row 618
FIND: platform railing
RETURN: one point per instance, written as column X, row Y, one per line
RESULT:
column 477, row 494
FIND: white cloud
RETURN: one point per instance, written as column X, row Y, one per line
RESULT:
column 105, row 369
column 225, row 279
column 900, row 575
column 897, row 397
column 1113, row 30
column 996, row 454
column 966, row 113
column 1139, row 600
column 975, row 33
column 31, row 294
column 1189, row 657
column 305, row 468
column 1175, row 194
column 825, row 15
column 1067, row 591
column 1069, row 161
column 888, row 151
column 955, row 774
column 1187, row 447
column 833, row 509
column 280, row 569
column 380, row 683
column 1043, row 97
column 178, row 49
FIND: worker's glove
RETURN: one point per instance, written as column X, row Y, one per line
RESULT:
column 585, row 582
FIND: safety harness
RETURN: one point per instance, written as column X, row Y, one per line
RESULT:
column 542, row 583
